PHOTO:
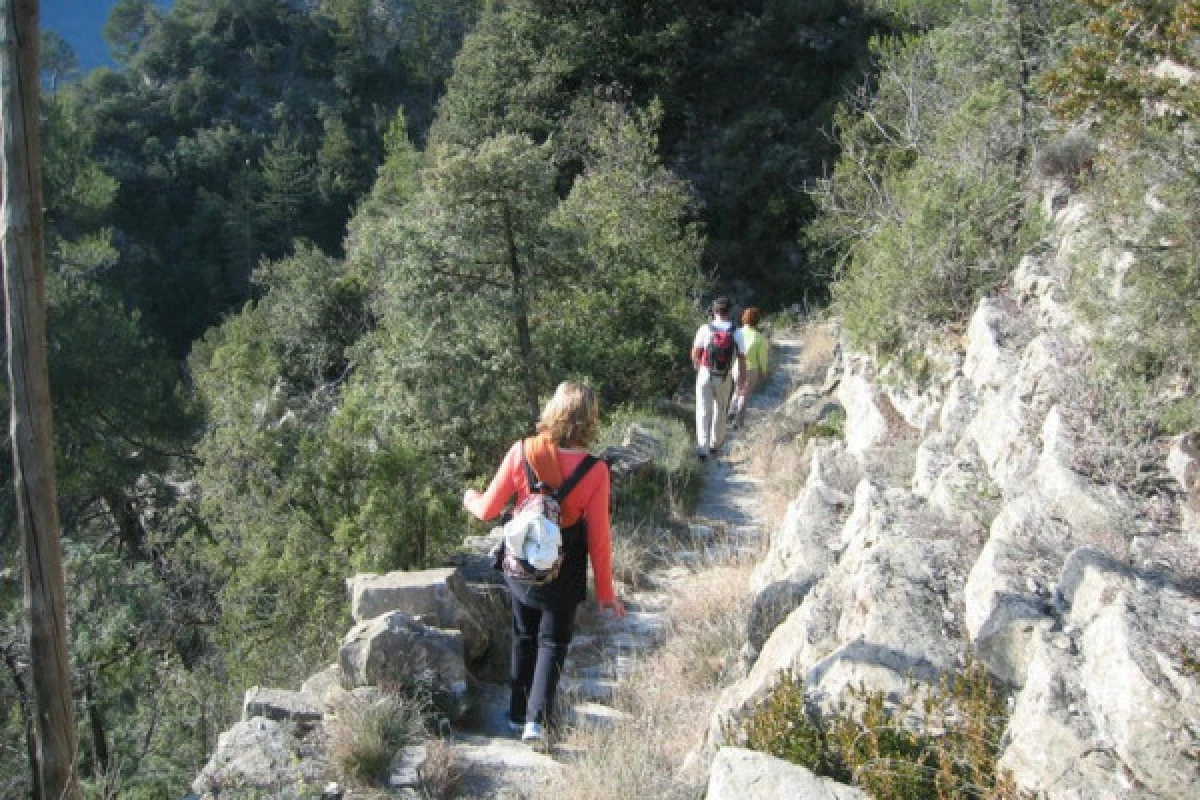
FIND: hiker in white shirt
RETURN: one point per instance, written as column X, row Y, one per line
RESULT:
column 715, row 350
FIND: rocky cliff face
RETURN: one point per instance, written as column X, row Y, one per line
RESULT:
column 953, row 520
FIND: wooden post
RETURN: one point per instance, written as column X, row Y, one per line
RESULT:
column 22, row 248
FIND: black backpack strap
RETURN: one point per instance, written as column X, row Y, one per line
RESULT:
column 575, row 477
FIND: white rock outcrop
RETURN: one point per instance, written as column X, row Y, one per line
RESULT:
column 998, row 546
column 739, row 774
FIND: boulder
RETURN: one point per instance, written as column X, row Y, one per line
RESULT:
column 739, row 774
column 281, row 705
column 438, row 597
column 261, row 757
column 396, row 648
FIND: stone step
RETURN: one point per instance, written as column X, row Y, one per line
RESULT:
column 594, row 690
column 281, row 705
column 595, row 715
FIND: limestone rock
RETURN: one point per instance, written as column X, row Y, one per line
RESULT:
column 260, row 757
column 1137, row 691
column 438, row 597
column 324, row 687
column 398, row 648
column 934, row 454
column 1183, row 462
column 805, row 539
column 834, row 467
column 964, row 490
column 739, row 774
column 1107, row 709
column 802, row 550
column 1042, row 292
column 871, row 419
column 990, row 361
column 1008, row 589
column 1094, row 512
column 1055, row 751
column 918, row 407
column 959, row 406
column 876, row 618
column 281, row 705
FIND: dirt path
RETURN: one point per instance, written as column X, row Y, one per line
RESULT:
column 728, row 516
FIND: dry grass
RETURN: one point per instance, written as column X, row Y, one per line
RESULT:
column 367, row 732
column 669, row 698
column 779, row 456
column 441, row 774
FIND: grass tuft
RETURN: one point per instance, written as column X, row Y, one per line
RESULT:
column 368, row 731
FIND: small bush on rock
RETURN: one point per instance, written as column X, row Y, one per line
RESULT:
column 942, row 746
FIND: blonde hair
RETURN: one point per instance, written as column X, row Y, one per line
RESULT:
column 570, row 416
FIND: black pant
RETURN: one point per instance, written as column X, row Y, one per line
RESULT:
column 540, row 640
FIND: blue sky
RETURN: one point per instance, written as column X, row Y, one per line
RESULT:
column 80, row 23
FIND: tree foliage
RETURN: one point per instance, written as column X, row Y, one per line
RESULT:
column 925, row 208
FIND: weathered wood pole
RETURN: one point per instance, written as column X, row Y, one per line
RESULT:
column 22, row 248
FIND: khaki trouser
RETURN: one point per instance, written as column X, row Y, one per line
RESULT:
column 712, row 403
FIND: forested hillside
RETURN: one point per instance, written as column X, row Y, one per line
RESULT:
column 313, row 264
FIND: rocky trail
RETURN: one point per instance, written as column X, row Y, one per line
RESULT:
column 959, row 517
column 728, row 517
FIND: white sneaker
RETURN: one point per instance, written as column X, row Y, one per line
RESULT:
column 534, row 732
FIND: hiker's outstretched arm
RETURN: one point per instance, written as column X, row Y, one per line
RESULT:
column 489, row 504
column 599, row 536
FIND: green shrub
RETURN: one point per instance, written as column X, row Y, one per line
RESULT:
column 671, row 485
column 947, row 749
column 925, row 209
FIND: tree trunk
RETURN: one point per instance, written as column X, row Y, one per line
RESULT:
column 99, row 740
column 521, row 318
column 33, row 456
column 31, row 749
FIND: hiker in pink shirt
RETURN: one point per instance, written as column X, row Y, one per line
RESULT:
column 544, row 613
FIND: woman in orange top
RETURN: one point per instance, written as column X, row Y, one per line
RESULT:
column 543, row 616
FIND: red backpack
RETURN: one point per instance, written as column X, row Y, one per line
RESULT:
column 721, row 351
